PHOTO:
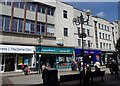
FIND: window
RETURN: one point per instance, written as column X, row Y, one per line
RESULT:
column 103, row 35
column 106, row 36
column 50, row 11
column 107, row 46
column 27, row 28
column 42, row 28
column 100, row 34
column 14, row 24
column 102, row 26
column 88, row 32
column 101, row 45
column 108, row 28
column 38, row 28
column 96, row 45
column 65, row 31
column 1, row 22
column 16, row 4
column 89, row 45
column 104, row 45
column 28, row 6
column 84, row 42
column 50, row 29
column 43, row 8
column 110, row 46
column 22, row 5
column 39, row 9
column 105, row 27
column 79, row 42
column 99, row 25
column 7, row 23
column 20, row 25
column 64, row 14
column 32, row 27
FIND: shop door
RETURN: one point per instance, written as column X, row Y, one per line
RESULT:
column 9, row 64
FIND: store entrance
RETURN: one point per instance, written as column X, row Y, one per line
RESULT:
column 9, row 64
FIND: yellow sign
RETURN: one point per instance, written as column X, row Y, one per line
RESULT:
column 19, row 60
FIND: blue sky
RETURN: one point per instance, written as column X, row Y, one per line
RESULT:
column 106, row 10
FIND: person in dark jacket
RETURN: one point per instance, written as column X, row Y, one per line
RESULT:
column 115, row 68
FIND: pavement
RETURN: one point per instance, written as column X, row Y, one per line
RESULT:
column 34, row 79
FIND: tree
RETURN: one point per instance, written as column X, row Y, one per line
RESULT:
column 118, row 45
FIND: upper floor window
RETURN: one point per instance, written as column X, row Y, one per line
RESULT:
column 31, row 6
column 40, row 28
column 29, row 26
column 99, row 25
column 88, row 32
column 65, row 13
column 14, row 24
column 65, row 31
column 96, row 45
column 6, row 23
column 50, row 29
column 103, row 35
column 101, row 45
column 100, row 34
column 41, row 8
column 50, row 11
column 79, row 42
column 19, row 4
column 108, row 37
column 110, row 46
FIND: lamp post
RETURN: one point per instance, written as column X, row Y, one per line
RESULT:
column 40, row 39
column 79, row 20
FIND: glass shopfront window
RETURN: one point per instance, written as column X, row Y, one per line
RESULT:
column 63, row 61
column 24, row 59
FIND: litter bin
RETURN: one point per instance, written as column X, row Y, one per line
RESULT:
column 50, row 77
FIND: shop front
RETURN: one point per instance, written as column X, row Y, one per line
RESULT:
column 13, row 56
column 90, row 56
column 107, row 56
column 55, row 57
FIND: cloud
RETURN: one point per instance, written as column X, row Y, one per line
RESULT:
column 101, row 14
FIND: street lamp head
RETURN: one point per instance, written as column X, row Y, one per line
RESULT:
column 88, row 12
column 40, row 39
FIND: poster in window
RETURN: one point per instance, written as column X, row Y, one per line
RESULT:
column 98, row 57
column 25, row 61
column 20, row 60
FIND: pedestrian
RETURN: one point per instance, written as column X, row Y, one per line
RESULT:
column 73, row 66
column 87, row 75
column 110, row 64
column 43, row 67
column 27, row 70
column 23, row 66
column 79, row 65
column 115, row 68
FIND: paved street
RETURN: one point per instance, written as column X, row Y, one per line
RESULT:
column 36, row 79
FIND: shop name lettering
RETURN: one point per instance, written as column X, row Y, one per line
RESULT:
column 53, row 50
column 15, row 49
column 64, row 50
column 48, row 50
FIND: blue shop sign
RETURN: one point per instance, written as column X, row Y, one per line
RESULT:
column 54, row 50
